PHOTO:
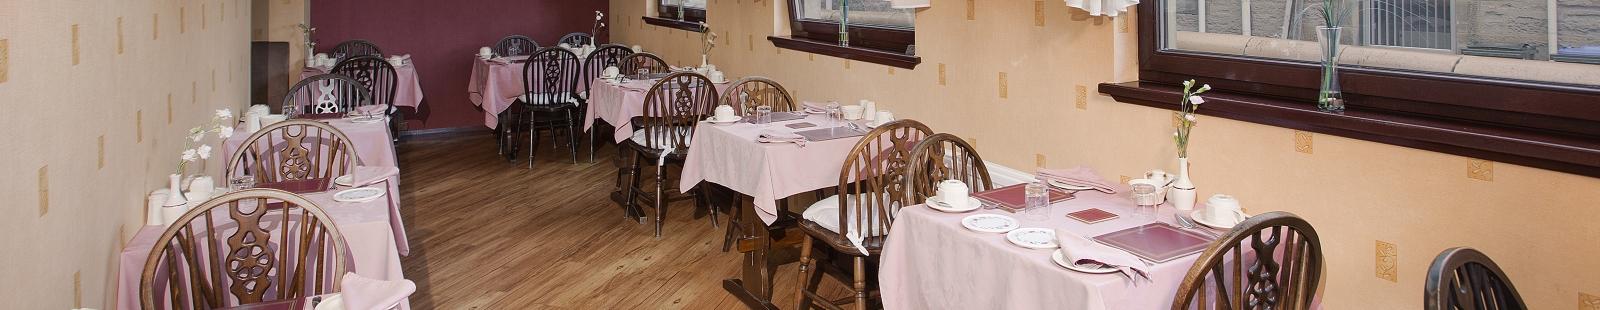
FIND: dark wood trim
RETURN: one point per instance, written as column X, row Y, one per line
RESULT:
column 891, row 40
column 673, row 23
column 1545, row 125
column 1527, row 147
column 853, row 53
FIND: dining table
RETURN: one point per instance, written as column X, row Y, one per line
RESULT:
column 366, row 227
column 374, row 147
column 494, row 85
column 408, row 88
column 730, row 155
column 618, row 103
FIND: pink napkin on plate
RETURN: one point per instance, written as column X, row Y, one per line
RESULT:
column 364, row 175
column 774, row 136
column 363, row 293
column 1080, row 176
column 1080, row 250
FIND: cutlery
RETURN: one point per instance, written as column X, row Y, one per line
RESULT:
column 1190, row 225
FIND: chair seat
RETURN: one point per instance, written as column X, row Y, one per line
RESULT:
column 825, row 213
column 544, row 100
column 638, row 140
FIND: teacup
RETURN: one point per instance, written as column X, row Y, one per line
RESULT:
column 1159, row 175
column 953, row 193
column 396, row 61
column 851, row 112
column 611, row 72
column 1222, row 208
column 718, row 77
column 637, row 49
column 1160, row 185
column 723, row 113
column 883, row 117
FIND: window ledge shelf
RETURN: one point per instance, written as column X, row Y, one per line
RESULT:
column 673, row 23
column 1520, row 146
column 853, row 53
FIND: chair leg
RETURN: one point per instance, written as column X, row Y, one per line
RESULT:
column 572, row 138
column 633, row 189
column 592, row 129
column 533, row 138
column 661, row 198
column 861, row 283
column 806, row 285
column 733, row 224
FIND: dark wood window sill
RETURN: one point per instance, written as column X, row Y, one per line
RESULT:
column 673, row 23
column 1513, row 145
column 891, row 59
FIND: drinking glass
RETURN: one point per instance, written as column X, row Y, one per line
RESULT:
column 835, row 118
column 1037, row 206
column 763, row 115
column 1146, row 200
column 644, row 74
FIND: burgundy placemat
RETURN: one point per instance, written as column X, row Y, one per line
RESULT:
column 1092, row 215
column 298, row 186
column 830, row 133
column 1015, row 197
column 1156, row 242
column 779, row 117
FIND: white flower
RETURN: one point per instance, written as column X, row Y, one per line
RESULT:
column 189, row 155
column 204, row 151
column 1189, row 83
column 1205, row 87
column 1174, row 134
column 225, row 113
column 1189, row 117
column 223, row 132
column 197, row 136
column 1196, row 100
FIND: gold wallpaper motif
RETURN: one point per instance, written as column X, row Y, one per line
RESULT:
column 44, row 190
column 1588, row 302
column 1388, row 257
column 1004, row 89
column 1038, row 13
column 5, row 60
column 75, row 47
column 138, row 126
column 1480, row 170
column 119, row 35
column 972, row 9
column 1081, row 97
column 941, row 75
column 1302, row 141
column 155, row 26
column 183, row 20
column 100, row 159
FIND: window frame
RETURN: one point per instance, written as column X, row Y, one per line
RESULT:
column 870, row 43
column 667, row 16
column 1543, row 125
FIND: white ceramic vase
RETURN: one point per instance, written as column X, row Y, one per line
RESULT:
column 175, row 205
column 1182, row 195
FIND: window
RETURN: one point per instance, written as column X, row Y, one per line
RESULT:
column 681, row 14
column 1515, row 81
column 1526, row 40
column 873, row 31
column 693, row 11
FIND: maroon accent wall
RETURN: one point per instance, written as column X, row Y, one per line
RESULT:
column 443, row 36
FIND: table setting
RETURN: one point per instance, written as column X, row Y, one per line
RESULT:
column 616, row 97
column 408, row 90
column 1076, row 242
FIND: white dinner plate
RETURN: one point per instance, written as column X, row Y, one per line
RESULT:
column 990, row 223
column 363, row 194
column 936, row 204
column 332, row 302
column 1061, row 260
column 714, row 120
column 345, row 180
column 1033, row 238
column 1070, row 187
column 1199, row 216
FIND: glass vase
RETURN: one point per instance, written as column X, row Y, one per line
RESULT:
column 1329, row 97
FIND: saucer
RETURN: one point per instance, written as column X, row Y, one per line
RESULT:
column 990, row 223
column 1198, row 216
column 363, row 194
column 714, row 120
column 1061, row 259
column 941, row 206
column 1033, row 238
column 344, row 180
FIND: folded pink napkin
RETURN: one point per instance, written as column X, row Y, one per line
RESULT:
column 1080, row 176
column 1082, row 251
column 774, row 136
column 364, row 175
column 363, row 293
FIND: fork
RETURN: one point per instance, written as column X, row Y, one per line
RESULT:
column 1190, row 225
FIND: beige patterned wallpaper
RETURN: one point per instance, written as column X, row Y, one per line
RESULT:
column 991, row 72
column 80, row 154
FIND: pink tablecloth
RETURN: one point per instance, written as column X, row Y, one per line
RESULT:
column 365, row 227
column 407, row 91
column 931, row 262
column 375, row 148
column 730, row 156
column 494, row 86
column 617, row 104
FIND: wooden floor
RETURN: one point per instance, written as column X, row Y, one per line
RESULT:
column 488, row 234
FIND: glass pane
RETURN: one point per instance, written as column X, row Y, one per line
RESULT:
column 862, row 12
column 700, row 4
column 1508, row 39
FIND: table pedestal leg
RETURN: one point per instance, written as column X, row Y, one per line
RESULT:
column 754, row 286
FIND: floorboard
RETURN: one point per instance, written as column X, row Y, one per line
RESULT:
column 490, row 234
